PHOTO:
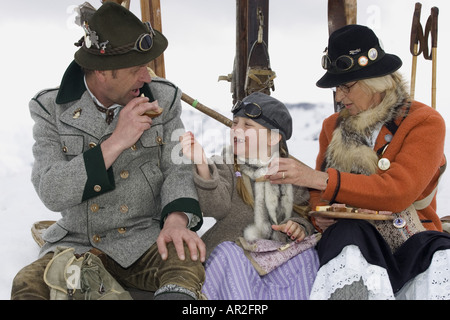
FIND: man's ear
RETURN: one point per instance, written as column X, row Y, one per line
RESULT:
column 100, row 75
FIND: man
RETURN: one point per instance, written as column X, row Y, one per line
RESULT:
column 106, row 166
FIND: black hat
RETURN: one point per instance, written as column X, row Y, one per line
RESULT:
column 116, row 39
column 267, row 111
column 354, row 53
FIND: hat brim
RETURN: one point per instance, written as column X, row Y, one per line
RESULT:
column 389, row 64
column 127, row 60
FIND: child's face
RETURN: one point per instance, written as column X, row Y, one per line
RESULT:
column 252, row 140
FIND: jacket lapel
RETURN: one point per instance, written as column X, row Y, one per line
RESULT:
column 84, row 116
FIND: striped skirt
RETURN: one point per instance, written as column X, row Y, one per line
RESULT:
column 231, row 276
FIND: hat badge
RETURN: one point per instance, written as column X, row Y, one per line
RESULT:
column 90, row 37
column 373, row 54
column 354, row 52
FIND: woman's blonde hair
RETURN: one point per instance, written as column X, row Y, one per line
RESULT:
column 387, row 83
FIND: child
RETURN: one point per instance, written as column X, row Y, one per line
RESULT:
column 250, row 211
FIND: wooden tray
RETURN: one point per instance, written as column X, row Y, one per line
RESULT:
column 350, row 215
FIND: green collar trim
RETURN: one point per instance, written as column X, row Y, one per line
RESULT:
column 72, row 85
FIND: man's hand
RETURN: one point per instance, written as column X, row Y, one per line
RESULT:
column 175, row 231
column 131, row 125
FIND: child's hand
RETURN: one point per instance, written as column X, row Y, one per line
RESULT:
column 294, row 231
column 192, row 149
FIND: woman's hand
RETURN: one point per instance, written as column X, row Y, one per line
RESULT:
column 294, row 231
column 291, row 171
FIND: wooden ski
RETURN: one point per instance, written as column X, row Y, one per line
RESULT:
column 252, row 71
column 151, row 11
column 341, row 13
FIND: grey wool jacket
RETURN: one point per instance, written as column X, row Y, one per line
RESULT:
column 120, row 210
column 219, row 199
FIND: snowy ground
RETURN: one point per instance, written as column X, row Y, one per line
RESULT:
column 20, row 206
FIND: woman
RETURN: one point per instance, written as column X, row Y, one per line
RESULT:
column 251, row 213
column 381, row 152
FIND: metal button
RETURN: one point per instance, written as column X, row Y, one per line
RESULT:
column 124, row 208
column 399, row 223
column 96, row 238
column 97, row 188
column 384, row 164
column 92, row 145
column 95, row 207
column 122, row 230
column 159, row 140
column 133, row 147
column 388, row 137
column 124, row 174
column 65, row 149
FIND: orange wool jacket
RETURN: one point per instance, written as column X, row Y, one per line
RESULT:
column 416, row 153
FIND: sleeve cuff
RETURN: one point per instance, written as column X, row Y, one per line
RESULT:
column 99, row 180
column 333, row 185
column 188, row 205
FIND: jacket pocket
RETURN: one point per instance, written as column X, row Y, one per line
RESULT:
column 72, row 145
column 54, row 233
column 153, row 137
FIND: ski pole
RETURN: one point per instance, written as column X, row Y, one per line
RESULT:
column 416, row 40
column 434, row 38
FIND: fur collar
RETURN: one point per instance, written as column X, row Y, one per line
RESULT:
column 272, row 203
column 350, row 149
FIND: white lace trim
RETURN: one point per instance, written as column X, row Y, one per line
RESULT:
column 432, row 284
column 347, row 267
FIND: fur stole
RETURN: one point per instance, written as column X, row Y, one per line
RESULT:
column 272, row 203
column 350, row 149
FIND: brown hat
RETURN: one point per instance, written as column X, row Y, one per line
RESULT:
column 116, row 39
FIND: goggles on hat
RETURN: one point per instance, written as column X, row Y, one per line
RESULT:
column 143, row 44
column 343, row 63
column 352, row 62
column 145, row 40
column 253, row 111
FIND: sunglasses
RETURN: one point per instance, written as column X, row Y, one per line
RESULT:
column 254, row 111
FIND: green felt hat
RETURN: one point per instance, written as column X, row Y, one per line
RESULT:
column 116, row 39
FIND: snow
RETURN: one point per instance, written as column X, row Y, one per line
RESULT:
column 20, row 207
